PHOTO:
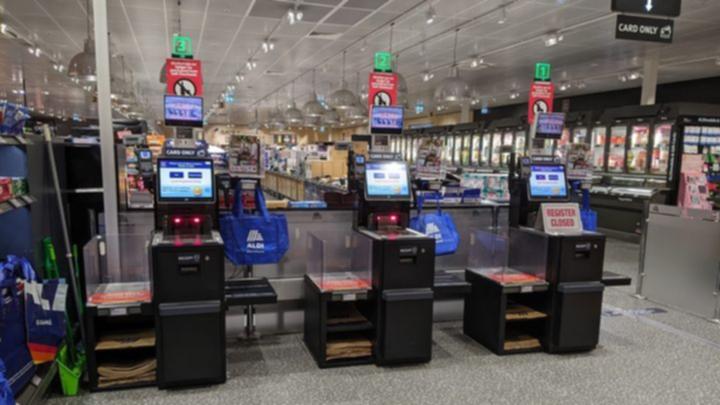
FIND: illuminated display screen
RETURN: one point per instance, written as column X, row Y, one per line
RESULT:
column 548, row 182
column 185, row 180
column 387, row 120
column 183, row 111
column 387, row 180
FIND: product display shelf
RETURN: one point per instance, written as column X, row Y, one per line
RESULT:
column 16, row 202
column 337, row 318
column 506, row 310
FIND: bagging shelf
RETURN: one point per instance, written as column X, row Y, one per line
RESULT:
column 250, row 291
column 126, row 340
column 505, row 310
column 338, row 332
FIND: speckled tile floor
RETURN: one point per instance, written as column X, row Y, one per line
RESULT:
column 668, row 358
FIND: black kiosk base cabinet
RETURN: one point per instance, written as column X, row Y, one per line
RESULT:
column 188, row 285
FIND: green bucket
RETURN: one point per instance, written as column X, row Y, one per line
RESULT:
column 70, row 374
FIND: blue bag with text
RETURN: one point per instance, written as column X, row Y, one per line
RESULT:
column 439, row 226
column 14, row 353
column 254, row 239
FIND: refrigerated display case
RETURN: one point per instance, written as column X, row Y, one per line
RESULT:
column 476, row 148
column 458, row 145
column 449, row 149
column 496, row 146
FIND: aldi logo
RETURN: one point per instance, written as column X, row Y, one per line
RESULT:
column 433, row 231
column 255, row 241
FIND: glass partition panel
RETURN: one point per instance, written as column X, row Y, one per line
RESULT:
column 616, row 156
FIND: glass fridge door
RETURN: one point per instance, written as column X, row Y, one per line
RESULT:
column 416, row 145
column 393, row 145
column 496, row 145
column 449, row 147
column 520, row 142
column 457, row 150
column 580, row 135
column 465, row 155
column 475, row 151
column 485, row 155
column 661, row 149
column 507, row 141
column 599, row 139
column 637, row 152
column 616, row 156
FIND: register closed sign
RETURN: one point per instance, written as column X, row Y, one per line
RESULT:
column 561, row 218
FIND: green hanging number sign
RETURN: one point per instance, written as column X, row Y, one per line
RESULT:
column 542, row 72
column 182, row 47
column 383, row 61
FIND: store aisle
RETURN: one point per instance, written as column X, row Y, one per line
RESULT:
column 666, row 357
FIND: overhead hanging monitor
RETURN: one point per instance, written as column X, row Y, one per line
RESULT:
column 185, row 180
column 387, row 181
column 183, row 111
column 387, row 120
column 549, row 125
column 547, row 182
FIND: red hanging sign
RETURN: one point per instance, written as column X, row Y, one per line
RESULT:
column 382, row 90
column 542, row 95
column 184, row 77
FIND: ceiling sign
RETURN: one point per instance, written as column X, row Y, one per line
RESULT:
column 182, row 47
column 382, row 90
column 668, row 8
column 542, row 72
column 644, row 29
column 184, row 77
column 383, row 61
column 542, row 95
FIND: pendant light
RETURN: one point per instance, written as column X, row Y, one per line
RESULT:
column 82, row 66
column 357, row 113
column 255, row 124
column 163, row 78
column 313, row 108
column 293, row 116
column 452, row 89
column 277, row 120
column 342, row 99
column 331, row 118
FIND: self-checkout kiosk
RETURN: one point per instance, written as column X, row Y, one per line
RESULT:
column 187, row 262
column 574, row 261
column 403, row 262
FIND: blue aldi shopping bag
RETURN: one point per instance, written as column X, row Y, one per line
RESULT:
column 438, row 225
column 19, row 367
column 45, row 318
column 254, row 239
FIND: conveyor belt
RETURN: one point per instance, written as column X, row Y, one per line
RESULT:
column 252, row 291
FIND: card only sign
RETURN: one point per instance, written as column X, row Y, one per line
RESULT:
column 644, row 29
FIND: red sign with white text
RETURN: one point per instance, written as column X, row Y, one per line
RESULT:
column 382, row 90
column 542, row 95
column 184, row 77
column 561, row 218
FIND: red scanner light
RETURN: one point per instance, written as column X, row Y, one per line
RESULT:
column 196, row 220
column 393, row 218
column 177, row 220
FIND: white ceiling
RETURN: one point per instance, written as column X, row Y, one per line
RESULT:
column 226, row 33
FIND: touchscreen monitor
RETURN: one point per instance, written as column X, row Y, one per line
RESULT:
column 185, row 180
column 183, row 111
column 547, row 182
column 387, row 181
